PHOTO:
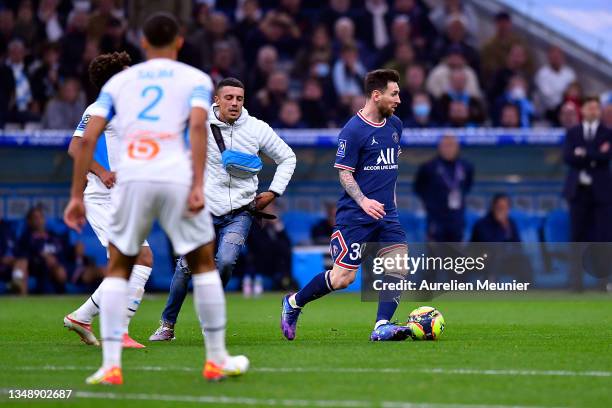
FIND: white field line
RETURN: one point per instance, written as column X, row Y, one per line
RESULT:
column 347, row 370
column 267, row 402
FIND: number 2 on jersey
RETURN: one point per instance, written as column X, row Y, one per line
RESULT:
column 145, row 113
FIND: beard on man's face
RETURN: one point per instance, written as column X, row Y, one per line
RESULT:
column 385, row 111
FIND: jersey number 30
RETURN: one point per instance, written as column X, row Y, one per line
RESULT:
column 157, row 92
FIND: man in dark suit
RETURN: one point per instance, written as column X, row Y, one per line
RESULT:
column 442, row 184
column 588, row 186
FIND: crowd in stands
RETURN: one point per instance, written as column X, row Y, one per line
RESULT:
column 303, row 61
column 33, row 250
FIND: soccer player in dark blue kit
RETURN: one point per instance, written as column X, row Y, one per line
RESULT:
column 367, row 161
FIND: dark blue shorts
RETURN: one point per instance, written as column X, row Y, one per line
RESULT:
column 347, row 240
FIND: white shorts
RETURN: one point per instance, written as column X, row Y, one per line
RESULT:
column 99, row 217
column 137, row 204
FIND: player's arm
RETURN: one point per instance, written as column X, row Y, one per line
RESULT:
column 74, row 216
column 107, row 177
column 275, row 148
column 373, row 208
column 199, row 146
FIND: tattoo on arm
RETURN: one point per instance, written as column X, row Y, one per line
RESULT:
column 350, row 185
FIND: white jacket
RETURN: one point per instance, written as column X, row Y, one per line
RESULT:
column 248, row 134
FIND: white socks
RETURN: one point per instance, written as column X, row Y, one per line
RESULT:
column 380, row 323
column 209, row 302
column 90, row 309
column 114, row 292
column 138, row 280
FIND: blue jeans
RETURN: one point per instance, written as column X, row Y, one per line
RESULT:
column 232, row 232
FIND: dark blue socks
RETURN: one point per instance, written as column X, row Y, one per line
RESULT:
column 318, row 286
column 388, row 300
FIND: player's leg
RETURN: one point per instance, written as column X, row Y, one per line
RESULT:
column 393, row 246
column 178, row 291
column 345, row 248
column 79, row 321
column 195, row 236
column 138, row 279
column 135, row 205
column 113, row 303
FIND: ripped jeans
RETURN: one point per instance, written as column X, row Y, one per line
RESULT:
column 232, row 231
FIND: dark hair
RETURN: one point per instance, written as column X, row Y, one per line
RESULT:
column 503, row 16
column 377, row 80
column 104, row 66
column 160, row 29
column 230, row 82
column 591, row 98
column 499, row 196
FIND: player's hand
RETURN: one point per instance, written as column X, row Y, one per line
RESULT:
column 605, row 147
column 263, row 200
column 195, row 202
column 74, row 214
column 108, row 178
column 373, row 208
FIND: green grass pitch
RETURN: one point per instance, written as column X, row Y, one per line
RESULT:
column 531, row 350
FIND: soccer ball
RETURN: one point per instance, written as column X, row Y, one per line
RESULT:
column 426, row 322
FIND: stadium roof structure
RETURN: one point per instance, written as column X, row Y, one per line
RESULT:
column 583, row 28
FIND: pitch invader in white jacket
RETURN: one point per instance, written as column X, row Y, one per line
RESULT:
column 155, row 104
column 231, row 196
column 97, row 198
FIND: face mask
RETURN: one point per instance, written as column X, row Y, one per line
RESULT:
column 517, row 93
column 421, row 109
column 322, row 69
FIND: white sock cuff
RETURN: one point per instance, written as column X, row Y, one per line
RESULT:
column 115, row 283
column 207, row 278
column 140, row 274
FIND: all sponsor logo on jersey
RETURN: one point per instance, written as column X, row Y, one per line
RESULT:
column 386, row 160
column 341, row 148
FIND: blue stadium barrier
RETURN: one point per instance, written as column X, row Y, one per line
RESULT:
column 329, row 137
column 557, row 226
column 299, row 224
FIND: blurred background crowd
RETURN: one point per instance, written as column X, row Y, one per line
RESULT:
column 303, row 61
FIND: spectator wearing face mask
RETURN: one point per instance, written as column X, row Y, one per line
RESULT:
column 413, row 83
column 421, row 112
column 516, row 94
column 457, row 93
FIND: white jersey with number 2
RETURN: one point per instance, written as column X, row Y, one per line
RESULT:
column 151, row 103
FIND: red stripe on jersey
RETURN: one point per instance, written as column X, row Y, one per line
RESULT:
column 381, row 124
column 343, row 167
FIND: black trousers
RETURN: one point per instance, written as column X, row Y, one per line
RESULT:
column 591, row 221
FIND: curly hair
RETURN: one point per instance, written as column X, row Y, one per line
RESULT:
column 104, row 66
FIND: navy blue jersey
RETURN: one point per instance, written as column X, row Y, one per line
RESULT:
column 370, row 150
